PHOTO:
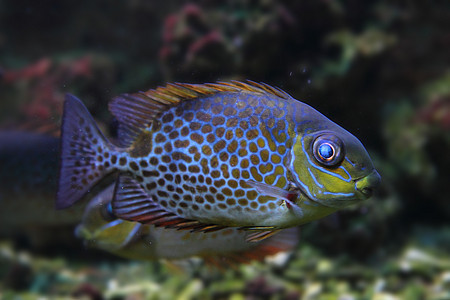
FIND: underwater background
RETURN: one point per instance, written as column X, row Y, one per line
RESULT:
column 380, row 69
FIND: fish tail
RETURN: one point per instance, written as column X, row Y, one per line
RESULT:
column 82, row 159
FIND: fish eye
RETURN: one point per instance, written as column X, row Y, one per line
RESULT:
column 107, row 212
column 328, row 150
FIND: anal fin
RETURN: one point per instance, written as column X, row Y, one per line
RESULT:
column 259, row 232
column 131, row 202
column 284, row 240
column 261, row 235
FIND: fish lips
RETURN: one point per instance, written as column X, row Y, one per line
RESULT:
column 364, row 189
column 368, row 184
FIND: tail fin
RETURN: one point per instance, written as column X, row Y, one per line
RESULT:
column 82, row 148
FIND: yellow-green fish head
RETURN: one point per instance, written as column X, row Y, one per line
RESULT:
column 332, row 167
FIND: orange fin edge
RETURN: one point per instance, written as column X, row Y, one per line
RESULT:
column 283, row 240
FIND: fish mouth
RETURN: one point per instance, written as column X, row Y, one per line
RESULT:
column 334, row 203
column 368, row 184
column 364, row 188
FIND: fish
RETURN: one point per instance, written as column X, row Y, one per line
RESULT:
column 204, row 157
column 101, row 229
column 28, row 181
column 28, row 184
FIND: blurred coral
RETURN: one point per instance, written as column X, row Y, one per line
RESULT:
column 39, row 88
column 206, row 43
column 437, row 112
column 189, row 42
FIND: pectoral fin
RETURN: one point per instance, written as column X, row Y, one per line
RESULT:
column 284, row 195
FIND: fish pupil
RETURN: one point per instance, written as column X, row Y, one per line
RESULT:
column 109, row 209
column 107, row 212
column 326, row 151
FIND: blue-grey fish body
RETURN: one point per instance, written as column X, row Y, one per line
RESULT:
column 210, row 156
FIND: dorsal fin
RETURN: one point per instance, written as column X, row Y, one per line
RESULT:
column 137, row 111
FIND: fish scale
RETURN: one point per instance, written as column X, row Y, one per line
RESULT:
column 212, row 160
column 195, row 169
column 210, row 156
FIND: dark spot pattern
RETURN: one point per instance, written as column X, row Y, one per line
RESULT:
column 203, row 152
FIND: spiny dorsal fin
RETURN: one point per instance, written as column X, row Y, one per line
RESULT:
column 137, row 111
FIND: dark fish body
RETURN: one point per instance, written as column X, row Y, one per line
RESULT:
column 29, row 163
column 210, row 156
column 28, row 182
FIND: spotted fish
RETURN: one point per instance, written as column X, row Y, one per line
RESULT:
column 208, row 156
column 99, row 228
